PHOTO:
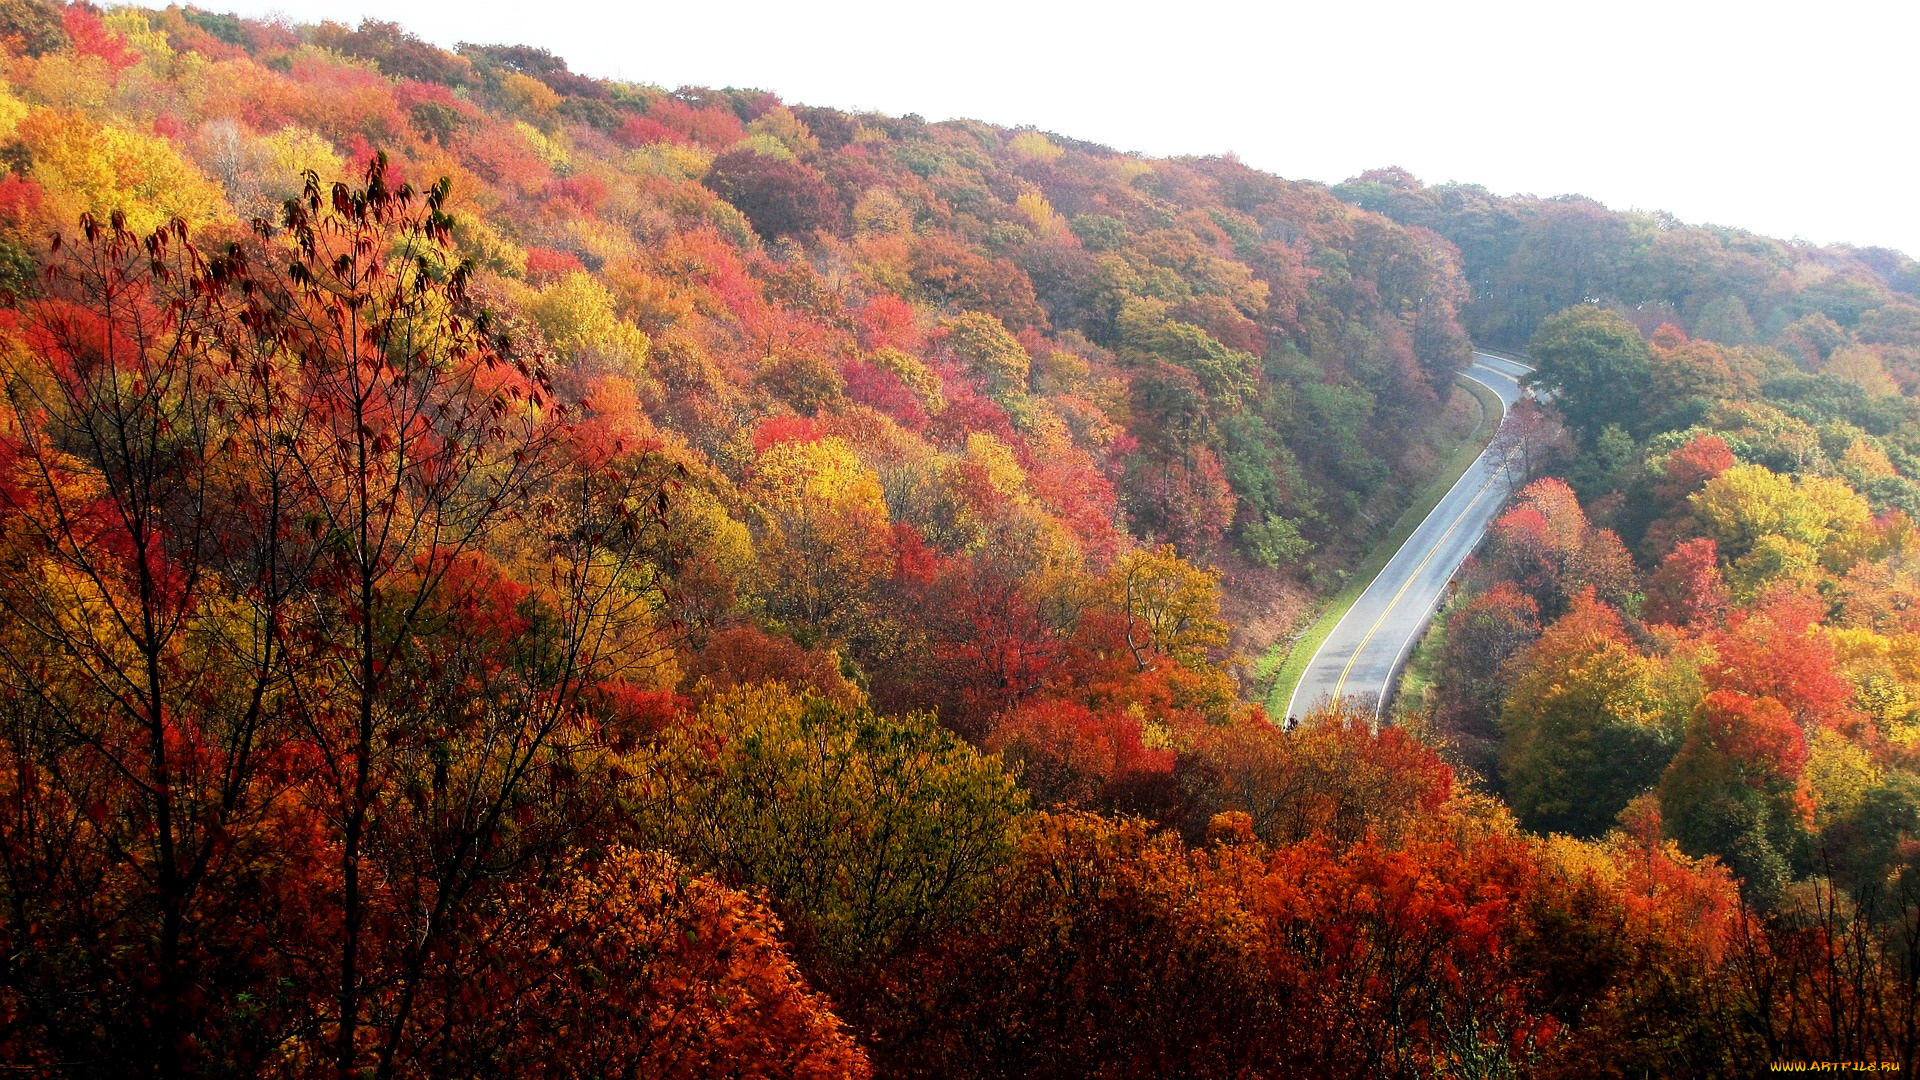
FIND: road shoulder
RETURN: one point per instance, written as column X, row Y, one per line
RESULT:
column 1288, row 660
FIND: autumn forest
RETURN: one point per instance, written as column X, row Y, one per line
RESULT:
column 505, row 573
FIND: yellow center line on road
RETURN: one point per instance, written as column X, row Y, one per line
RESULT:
column 1341, row 685
column 1354, row 657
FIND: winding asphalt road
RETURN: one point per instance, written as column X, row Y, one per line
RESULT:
column 1359, row 659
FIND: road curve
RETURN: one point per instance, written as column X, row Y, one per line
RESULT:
column 1360, row 658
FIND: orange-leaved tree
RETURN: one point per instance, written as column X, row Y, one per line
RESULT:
column 632, row 965
column 278, row 670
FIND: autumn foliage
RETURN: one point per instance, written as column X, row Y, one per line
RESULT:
column 1111, row 949
column 1742, row 686
column 512, row 573
column 674, row 975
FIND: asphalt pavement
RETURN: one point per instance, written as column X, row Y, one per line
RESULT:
column 1360, row 658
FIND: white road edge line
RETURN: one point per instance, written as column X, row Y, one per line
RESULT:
column 1293, row 698
column 1419, row 627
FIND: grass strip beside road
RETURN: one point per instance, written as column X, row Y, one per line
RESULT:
column 1506, row 354
column 1287, row 661
column 1415, row 679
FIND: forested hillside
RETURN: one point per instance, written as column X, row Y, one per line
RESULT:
column 1527, row 258
column 506, row 573
column 1698, row 621
column 1709, row 634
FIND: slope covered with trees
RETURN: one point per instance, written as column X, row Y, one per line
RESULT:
column 1712, row 640
column 508, row 573
column 1528, row 258
column 1698, row 619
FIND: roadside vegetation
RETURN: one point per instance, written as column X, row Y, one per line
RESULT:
column 510, row 573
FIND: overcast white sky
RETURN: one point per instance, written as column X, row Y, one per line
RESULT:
column 1791, row 120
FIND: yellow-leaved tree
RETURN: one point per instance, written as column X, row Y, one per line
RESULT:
column 1171, row 607
column 94, row 168
column 870, row 833
column 577, row 314
column 1747, row 502
column 822, row 531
